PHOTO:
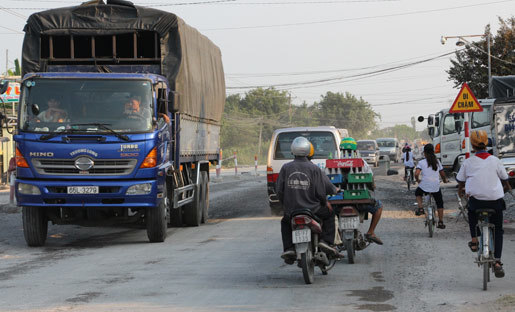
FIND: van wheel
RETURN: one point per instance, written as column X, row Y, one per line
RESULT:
column 35, row 226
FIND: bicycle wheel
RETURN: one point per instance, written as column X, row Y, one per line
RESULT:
column 430, row 215
column 408, row 179
column 486, row 274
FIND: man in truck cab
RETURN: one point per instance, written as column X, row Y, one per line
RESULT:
column 309, row 194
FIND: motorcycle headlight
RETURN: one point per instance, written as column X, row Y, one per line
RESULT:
column 28, row 189
column 139, row 189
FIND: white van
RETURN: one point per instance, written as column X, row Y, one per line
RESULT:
column 325, row 140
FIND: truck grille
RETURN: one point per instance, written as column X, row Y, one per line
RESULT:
column 100, row 167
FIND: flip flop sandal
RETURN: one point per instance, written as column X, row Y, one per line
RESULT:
column 474, row 247
column 498, row 270
column 441, row 225
column 374, row 239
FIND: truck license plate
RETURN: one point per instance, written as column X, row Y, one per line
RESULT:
column 349, row 223
column 82, row 189
column 301, row 236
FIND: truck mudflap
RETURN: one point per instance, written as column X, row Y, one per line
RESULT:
column 102, row 194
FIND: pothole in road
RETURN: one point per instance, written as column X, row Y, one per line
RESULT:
column 377, row 307
column 375, row 294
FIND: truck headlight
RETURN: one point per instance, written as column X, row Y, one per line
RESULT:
column 139, row 189
column 28, row 189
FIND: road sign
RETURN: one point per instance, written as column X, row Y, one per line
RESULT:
column 465, row 102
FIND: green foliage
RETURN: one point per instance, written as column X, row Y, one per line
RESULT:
column 346, row 111
column 471, row 64
column 264, row 110
column 16, row 71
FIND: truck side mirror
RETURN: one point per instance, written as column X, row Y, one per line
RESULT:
column 4, row 86
column 430, row 120
column 431, row 132
column 457, row 125
column 437, row 121
column 35, row 109
column 173, row 101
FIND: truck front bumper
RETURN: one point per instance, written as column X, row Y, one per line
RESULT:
column 111, row 194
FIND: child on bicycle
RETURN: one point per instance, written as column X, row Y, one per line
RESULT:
column 482, row 178
column 431, row 170
column 409, row 163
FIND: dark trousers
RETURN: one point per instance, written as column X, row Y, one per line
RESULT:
column 496, row 219
column 406, row 172
column 328, row 227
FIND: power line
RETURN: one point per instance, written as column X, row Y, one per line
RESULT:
column 358, row 18
column 357, row 76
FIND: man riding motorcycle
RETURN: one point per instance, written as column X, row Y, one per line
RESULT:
column 300, row 186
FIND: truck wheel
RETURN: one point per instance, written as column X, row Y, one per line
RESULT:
column 35, row 226
column 205, row 205
column 156, row 222
column 193, row 211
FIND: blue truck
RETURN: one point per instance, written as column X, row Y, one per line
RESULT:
column 119, row 119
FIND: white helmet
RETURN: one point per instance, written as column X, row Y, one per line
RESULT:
column 301, row 147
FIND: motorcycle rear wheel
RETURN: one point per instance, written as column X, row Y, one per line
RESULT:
column 351, row 252
column 308, row 265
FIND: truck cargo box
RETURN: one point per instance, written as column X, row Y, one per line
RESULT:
column 121, row 37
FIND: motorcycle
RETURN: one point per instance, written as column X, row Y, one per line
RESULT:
column 306, row 230
column 349, row 218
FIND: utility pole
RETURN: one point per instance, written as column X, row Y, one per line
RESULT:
column 260, row 134
column 289, row 103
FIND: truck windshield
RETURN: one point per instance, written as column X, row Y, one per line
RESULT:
column 386, row 143
column 60, row 105
column 323, row 142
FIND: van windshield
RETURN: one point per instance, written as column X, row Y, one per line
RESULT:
column 323, row 142
column 386, row 143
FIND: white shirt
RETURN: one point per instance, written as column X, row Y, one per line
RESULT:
column 483, row 177
column 430, row 179
column 408, row 163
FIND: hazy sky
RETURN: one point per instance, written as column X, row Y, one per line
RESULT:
column 274, row 42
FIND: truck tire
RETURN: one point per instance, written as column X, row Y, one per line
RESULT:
column 155, row 218
column 205, row 205
column 192, row 214
column 35, row 226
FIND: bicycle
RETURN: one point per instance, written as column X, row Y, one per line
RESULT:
column 485, row 252
column 410, row 179
column 429, row 210
column 463, row 210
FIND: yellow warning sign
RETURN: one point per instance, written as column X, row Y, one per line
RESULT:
column 465, row 102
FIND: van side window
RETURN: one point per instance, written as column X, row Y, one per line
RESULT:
column 448, row 125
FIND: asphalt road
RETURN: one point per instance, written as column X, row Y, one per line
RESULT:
column 233, row 264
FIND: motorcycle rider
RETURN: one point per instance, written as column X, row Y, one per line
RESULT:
column 301, row 186
column 482, row 178
column 348, row 147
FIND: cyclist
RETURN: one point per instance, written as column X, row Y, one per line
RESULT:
column 409, row 164
column 301, row 185
column 348, row 146
column 427, row 175
column 482, row 178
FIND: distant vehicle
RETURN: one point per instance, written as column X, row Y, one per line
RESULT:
column 445, row 130
column 389, row 147
column 369, row 151
column 325, row 140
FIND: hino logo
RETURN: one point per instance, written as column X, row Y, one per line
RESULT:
column 41, row 154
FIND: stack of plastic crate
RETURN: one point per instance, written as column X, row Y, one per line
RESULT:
column 347, row 173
